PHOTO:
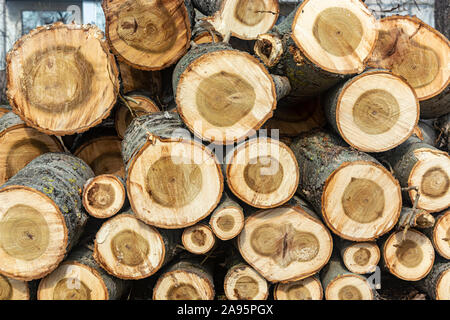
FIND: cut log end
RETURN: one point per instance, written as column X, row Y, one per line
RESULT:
column 408, row 256
column 431, row 174
column 180, row 180
column 443, row 285
column 263, row 173
column 72, row 281
column 361, row 258
column 415, row 51
column 104, row 196
column 306, row 289
column 441, row 235
column 230, row 83
column 243, row 283
column 147, row 35
column 128, row 248
column 32, row 231
column 198, row 239
column 376, row 111
column 285, row 244
column 227, row 223
column 361, row 201
column 349, row 287
column 207, row 36
column 337, row 38
column 62, row 79
column 11, row 289
column 269, row 48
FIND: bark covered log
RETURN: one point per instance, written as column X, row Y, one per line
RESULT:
column 439, row 234
column 438, row 280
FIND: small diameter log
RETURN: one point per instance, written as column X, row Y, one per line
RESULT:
column 418, row 165
column 242, row 282
column 428, row 133
column 19, row 144
column 359, row 257
column 173, row 181
column 358, row 199
column 418, row 218
column 130, row 249
column 262, row 172
column 140, row 80
column 80, row 278
column 185, row 280
column 41, row 215
column 227, row 220
column 341, row 284
column 294, row 117
column 244, row 19
column 205, row 33
column 319, row 44
column 100, row 148
column 421, row 55
column 11, row 289
column 62, row 78
column 140, row 104
column 104, row 196
column 148, row 35
column 408, row 255
column 198, row 239
column 223, row 94
column 285, row 244
column 443, row 126
column 373, row 112
column 437, row 282
column 440, row 234
column 306, row 289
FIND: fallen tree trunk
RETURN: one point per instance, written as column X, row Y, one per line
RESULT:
column 244, row 19
column 185, row 280
column 19, row 144
column 438, row 280
column 319, row 44
column 420, row 54
column 129, row 249
column 286, row 243
column 198, row 239
column 359, row 257
column 150, row 35
column 169, row 172
column 262, row 172
column 223, row 94
column 104, row 196
column 373, row 112
column 422, row 168
column 80, row 278
column 439, row 234
column 62, row 79
column 306, row 289
column 227, row 220
column 358, row 199
column 41, row 215
column 11, row 289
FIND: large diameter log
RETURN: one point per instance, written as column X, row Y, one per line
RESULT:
column 373, row 112
column 198, row 239
column 359, row 257
column 341, row 284
column 227, row 220
column 416, row 164
column 358, row 199
column 150, row 34
column 223, row 94
column 104, row 196
column 420, row 54
column 129, row 249
column 262, row 172
column 439, row 234
column 437, row 282
column 173, row 181
column 244, row 19
column 185, row 280
column 139, row 80
column 19, row 144
column 305, row 289
column 11, row 289
column 319, row 44
column 408, row 255
column 62, row 78
column 285, row 244
column 41, row 215
column 80, row 278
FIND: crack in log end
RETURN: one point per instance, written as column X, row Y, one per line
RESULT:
column 250, row 12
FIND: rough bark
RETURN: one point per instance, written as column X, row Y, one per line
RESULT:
column 430, row 283
column 443, row 126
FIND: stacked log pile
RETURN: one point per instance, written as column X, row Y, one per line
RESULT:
column 240, row 154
